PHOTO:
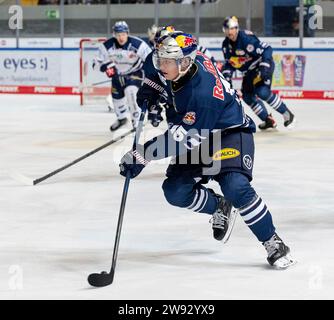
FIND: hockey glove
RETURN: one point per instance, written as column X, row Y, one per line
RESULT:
column 228, row 75
column 265, row 72
column 111, row 70
column 154, row 115
column 134, row 162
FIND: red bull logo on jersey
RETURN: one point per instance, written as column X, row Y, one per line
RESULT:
column 238, row 62
column 218, row 90
column 239, row 52
column 189, row 118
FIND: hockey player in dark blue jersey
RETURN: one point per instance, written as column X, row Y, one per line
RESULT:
column 211, row 138
column 153, row 90
column 245, row 52
column 121, row 58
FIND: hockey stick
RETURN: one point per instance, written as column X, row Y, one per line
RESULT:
column 101, row 82
column 25, row 180
column 105, row 81
column 104, row 278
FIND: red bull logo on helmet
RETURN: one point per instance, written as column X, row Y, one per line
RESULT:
column 170, row 28
column 185, row 41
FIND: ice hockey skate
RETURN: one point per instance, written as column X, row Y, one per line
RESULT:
column 278, row 253
column 268, row 123
column 223, row 220
column 290, row 120
column 117, row 124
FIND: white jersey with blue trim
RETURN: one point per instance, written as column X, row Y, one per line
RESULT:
column 128, row 58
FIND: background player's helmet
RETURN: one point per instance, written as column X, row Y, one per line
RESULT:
column 151, row 32
column 179, row 46
column 163, row 31
column 121, row 26
column 230, row 22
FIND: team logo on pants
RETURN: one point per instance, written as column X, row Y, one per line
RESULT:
column 248, row 162
column 226, row 153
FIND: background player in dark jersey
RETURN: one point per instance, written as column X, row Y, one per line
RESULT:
column 245, row 52
column 211, row 138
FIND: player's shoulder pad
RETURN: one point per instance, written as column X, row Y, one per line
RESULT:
column 248, row 32
column 249, row 41
column 247, row 36
column 135, row 41
column 109, row 43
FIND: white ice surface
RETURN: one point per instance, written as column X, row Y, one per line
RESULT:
column 54, row 234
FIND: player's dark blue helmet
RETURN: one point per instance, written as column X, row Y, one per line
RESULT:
column 163, row 31
column 121, row 26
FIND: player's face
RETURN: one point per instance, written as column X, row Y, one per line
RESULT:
column 169, row 68
column 122, row 38
column 232, row 33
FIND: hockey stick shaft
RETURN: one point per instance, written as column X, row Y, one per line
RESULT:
column 51, row 174
column 106, row 81
column 101, row 82
column 124, row 196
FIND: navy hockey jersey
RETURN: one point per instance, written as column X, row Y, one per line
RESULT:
column 246, row 52
column 204, row 103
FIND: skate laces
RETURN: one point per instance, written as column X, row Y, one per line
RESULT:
column 272, row 244
column 218, row 219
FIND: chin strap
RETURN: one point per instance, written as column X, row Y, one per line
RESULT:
column 182, row 73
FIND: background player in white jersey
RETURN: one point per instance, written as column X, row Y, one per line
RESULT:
column 121, row 58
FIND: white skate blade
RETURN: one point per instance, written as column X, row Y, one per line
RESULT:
column 292, row 125
column 285, row 262
column 21, row 178
column 233, row 217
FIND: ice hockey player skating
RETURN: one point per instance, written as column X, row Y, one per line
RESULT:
column 245, row 52
column 210, row 138
column 121, row 58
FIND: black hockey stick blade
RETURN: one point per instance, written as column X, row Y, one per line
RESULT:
column 102, row 279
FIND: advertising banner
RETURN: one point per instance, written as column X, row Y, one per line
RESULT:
column 39, row 67
column 289, row 70
column 298, row 73
column 30, row 68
